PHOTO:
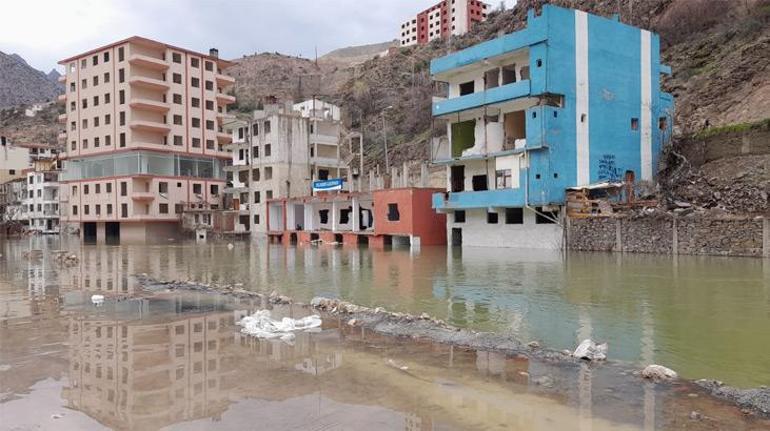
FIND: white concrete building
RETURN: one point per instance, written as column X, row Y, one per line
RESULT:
column 318, row 108
column 41, row 205
column 278, row 154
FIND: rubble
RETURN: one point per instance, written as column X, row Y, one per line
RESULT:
column 591, row 351
column 659, row 373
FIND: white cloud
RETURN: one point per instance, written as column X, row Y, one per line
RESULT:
column 45, row 31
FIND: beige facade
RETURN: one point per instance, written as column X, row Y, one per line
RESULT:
column 279, row 154
column 143, row 137
column 13, row 160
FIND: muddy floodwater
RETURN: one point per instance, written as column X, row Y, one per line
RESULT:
column 177, row 360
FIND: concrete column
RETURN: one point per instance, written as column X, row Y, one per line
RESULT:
column 424, row 175
column 371, row 181
column 618, row 235
column 335, row 226
column 765, row 237
column 405, row 176
column 356, row 209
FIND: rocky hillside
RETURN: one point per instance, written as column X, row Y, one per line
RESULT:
column 22, row 84
column 719, row 51
column 262, row 76
column 40, row 129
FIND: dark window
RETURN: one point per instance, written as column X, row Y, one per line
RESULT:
column 122, row 139
column 178, row 208
column 514, row 216
column 492, row 217
column 210, row 105
column 106, row 56
column 393, row 214
column 123, row 188
column 176, row 78
column 214, row 189
column 122, row 97
column 194, row 62
column 209, row 85
column 178, row 120
column 209, row 66
column 197, row 188
column 177, row 98
column 124, row 210
column 545, row 217
column 121, row 75
column 196, row 102
column 176, row 57
column 345, row 215
column 479, row 182
column 196, row 142
column 162, row 187
column 195, row 82
column 466, row 88
column 323, row 215
column 108, row 187
column 121, row 56
column 459, row 216
column 634, row 124
column 323, row 174
column 163, row 208
column 74, row 210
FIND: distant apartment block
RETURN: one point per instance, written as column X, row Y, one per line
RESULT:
column 279, row 154
column 571, row 100
column 143, row 138
column 41, row 206
column 444, row 19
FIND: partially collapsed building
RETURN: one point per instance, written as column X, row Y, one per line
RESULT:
column 572, row 99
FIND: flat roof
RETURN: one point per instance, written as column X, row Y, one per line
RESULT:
column 146, row 41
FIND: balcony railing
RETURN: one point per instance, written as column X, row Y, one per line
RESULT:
column 479, row 199
column 148, row 62
column 149, row 105
column 225, row 99
column 149, row 126
column 482, row 98
column 149, row 83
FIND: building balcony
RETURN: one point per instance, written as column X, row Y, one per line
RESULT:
column 233, row 146
column 502, row 198
column 224, row 117
column 224, row 80
column 62, row 79
column 327, row 162
column 62, row 118
column 149, row 105
column 62, row 98
column 148, row 62
column 143, row 196
column 224, row 138
column 149, row 126
column 316, row 138
column 225, row 99
column 236, row 168
column 148, row 83
column 481, row 98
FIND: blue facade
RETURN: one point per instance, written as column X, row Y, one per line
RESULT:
column 592, row 105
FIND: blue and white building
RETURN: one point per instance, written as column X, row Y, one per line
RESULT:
column 571, row 100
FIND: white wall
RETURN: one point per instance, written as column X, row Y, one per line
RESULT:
column 478, row 233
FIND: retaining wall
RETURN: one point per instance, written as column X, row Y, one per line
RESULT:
column 667, row 234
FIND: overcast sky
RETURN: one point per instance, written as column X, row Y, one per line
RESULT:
column 44, row 32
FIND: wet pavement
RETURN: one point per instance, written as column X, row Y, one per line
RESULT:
column 178, row 361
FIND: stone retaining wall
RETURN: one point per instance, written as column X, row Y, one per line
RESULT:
column 666, row 234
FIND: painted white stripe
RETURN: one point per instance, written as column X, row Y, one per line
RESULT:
column 646, row 107
column 581, row 92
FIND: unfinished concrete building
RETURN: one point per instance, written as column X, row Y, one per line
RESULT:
column 279, row 153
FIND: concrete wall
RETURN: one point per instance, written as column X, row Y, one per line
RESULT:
column 416, row 217
column 478, row 233
column 669, row 235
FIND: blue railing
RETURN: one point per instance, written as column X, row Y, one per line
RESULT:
column 481, row 98
column 481, row 199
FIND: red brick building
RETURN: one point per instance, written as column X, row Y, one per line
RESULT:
column 445, row 18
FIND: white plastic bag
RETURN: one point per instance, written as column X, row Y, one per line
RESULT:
column 261, row 325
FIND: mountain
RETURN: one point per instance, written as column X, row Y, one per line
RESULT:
column 22, row 84
column 357, row 54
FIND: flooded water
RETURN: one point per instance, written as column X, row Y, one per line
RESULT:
column 178, row 361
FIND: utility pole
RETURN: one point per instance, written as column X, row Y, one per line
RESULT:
column 385, row 138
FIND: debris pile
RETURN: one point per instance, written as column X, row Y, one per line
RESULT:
column 591, row 351
column 659, row 373
column 261, row 325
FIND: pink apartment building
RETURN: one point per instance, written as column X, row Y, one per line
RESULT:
column 143, row 138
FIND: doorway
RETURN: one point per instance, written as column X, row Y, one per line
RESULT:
column 457, row 236
column 89, row 233
column 112, row 233
column 457, row 178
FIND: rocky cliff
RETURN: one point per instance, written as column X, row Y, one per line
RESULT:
column 22, row 84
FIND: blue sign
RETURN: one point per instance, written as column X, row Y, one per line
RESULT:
column 326, row 185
